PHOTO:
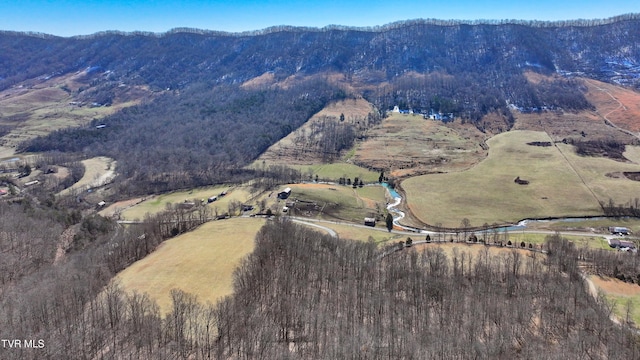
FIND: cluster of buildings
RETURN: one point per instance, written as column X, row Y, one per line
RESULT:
column 624, row 245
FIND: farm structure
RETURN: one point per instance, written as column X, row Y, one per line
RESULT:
column 621, row 244
column 284, row 194
column 617, row 230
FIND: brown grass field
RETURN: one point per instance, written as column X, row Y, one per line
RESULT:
column 98, row 171
column 621, row 295
column 410, row 145
column 38, row 107
column 617, row 104
column 487, row 192
column 200, row 262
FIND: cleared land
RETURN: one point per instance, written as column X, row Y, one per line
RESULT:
column 158, row 203
column 295, row 150
column 409, row 145
column 587, row 225
column 333, row 202
column 200, row 262
column 333, row 172
column 621, row 295
column 617, row 104
column 488, row 194
column 98, row 172
column 40, row 106
column 592, row 242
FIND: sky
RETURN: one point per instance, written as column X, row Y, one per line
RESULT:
column 72, row 17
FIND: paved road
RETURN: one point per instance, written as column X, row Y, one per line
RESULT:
column 308, row 223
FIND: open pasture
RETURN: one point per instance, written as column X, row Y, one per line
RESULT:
column 337, row 202
column 98, row 171
column 409, row 144
column 39, row 107
column 487, row 193
column 158, row 203
column 379, row 234
column 200, row 262
column 604, row 176
column 334, row 171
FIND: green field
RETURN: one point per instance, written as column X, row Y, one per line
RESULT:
column 334, row 171
column 155, row 204
column 620, row 307
column 599, row 225
column 337, row 202
column 200, row 262
column 560, row 184
column 593, row 242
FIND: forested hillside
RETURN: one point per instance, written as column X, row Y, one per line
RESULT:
column 305, row 295
column 205, row 123
column 202, row 136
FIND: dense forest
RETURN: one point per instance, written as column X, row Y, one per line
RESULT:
column 302, row 294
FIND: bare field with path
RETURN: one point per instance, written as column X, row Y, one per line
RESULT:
column 98, row 172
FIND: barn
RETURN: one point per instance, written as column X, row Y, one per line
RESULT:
column 284, row 193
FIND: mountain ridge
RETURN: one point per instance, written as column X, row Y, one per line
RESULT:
column 331, row 27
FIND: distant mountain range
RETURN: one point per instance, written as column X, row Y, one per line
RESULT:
column 607, row 50
column 463, row 69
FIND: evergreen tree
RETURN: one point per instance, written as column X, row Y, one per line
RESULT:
column 389, row 222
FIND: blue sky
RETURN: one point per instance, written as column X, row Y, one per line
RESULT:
column 70, row 17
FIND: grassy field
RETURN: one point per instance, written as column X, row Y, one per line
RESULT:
column 43, row 106
column 620, row 294
column 593, row 242
column 200, row 262
column 409, row 144
column 334, row 171
column 337, row 202
column 599, row 225
column 561, row 184
column 604, row 176
column 157, row 203
column 98, row 171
